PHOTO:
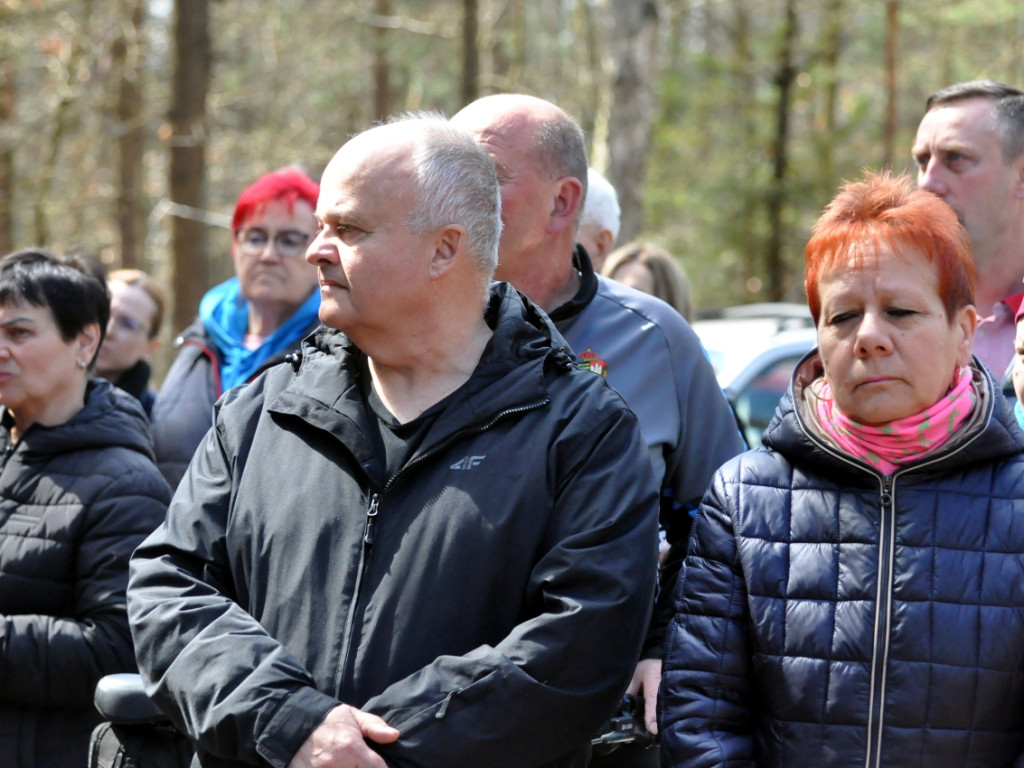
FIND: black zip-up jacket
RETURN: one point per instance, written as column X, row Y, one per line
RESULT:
column 832, row 616
column 75, row 500
column 487, row 601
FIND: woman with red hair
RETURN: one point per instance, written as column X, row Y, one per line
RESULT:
column 853, row 593
column 247, row 323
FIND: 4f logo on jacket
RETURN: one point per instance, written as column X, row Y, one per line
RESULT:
column 467, row 462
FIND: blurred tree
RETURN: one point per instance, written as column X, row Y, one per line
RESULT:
column 187, row 141
column 633, row 49
column 7, row 98
column 785, row 77
column 470, row 51
column 127, row 54
column 81, row 80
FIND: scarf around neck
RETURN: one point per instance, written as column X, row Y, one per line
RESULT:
column 225, row 315
column 903, row 440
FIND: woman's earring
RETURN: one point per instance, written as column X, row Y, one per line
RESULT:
column 81, row 363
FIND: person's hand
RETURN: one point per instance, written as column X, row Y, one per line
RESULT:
column 645, row 681
column 340, row 741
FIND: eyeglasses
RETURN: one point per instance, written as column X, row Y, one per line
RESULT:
column 289, row 243
column 127, row 323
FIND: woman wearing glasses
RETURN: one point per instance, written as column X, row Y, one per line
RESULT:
column 137, row 303
column 247, row 323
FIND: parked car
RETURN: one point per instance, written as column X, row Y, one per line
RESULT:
column 754, row 349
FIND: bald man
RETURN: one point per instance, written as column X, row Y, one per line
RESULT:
column 388, row 551
column 640, row 344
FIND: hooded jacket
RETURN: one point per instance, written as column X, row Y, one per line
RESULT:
column 485, row 600
column 75, row 500
column 829, row 615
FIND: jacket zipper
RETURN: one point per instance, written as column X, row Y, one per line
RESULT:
column 370, row 526
column 883, row 621
column 886, row 568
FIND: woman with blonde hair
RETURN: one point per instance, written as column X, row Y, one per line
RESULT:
column 653, row 270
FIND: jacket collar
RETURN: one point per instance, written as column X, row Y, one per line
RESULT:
column 587, row 289
column 791, row 434
column 511, row 374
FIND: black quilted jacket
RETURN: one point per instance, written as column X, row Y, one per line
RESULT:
column 75, row 500
column 832, row 616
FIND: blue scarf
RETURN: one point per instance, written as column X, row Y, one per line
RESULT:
column 1018, row 411
column 225, row 314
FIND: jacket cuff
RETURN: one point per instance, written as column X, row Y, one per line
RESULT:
column 296, row 718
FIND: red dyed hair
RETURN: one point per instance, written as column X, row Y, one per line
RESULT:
column 889, row 210
column 287, row 184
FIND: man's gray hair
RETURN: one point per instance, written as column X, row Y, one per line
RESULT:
column 456, row 184
column 1007, row 109
column 601, row 208
column 559, row 149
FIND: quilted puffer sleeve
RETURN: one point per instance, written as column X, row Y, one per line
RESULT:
column 704, row 707
column 55, row 661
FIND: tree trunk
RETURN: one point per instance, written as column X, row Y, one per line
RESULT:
column 784, row 78
column 381, row 67
column 828, row 126
column 7, row 99
column 127, row 54
column 470, row 51
column 634, row 48
column 63, row 123
column 187, row 119
column 892, row 11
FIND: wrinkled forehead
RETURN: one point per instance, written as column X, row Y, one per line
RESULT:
column 368, row 168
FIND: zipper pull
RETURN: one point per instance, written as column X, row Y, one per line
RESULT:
column 370, row 532
column 886, row 496
column 443, row 709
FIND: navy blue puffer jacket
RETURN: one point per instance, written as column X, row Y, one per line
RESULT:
column 832, row 616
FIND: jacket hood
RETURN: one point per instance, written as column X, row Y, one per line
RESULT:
column 521, row 333
column 524, row 349
column 789, row 434
column 110, row 418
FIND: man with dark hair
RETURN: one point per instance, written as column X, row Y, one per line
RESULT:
column 643, row 346
column 969, row 151
column 430, row 539
column 246, row 323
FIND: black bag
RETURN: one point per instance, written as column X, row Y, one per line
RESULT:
column 134, row 733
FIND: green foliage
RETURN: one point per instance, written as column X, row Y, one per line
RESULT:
column 292, row 81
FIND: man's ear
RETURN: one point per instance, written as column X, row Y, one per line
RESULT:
column 565, row 202
column 1018, row 167
column 603, row 243
column 448, row 243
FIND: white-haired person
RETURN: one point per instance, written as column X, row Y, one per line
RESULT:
column 599, row 223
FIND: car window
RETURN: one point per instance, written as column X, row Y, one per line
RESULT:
column 755, row 404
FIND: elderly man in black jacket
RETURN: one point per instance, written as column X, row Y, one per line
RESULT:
column 431, row 539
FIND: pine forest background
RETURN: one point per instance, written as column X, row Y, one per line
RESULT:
column 128, row 127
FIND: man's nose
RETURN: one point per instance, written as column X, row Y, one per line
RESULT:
column 931, row 178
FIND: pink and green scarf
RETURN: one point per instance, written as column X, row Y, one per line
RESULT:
column 903, row 440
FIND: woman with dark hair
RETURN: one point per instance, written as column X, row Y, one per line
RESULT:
column 79, row 489
column 853, row 594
